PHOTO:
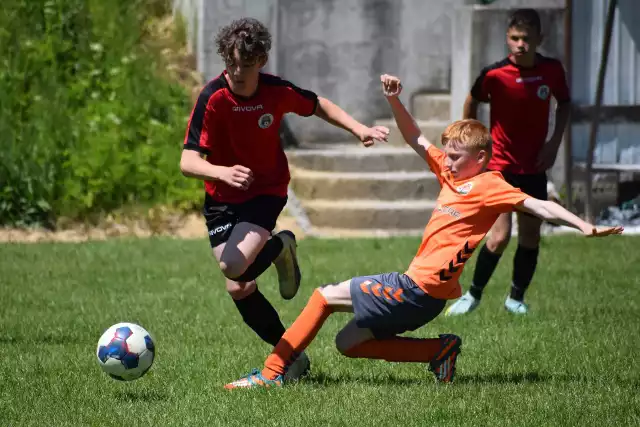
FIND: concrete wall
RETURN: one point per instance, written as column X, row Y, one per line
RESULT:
column 338, row 48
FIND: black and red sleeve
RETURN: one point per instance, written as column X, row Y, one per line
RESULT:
column 295, row 100
column 202, row 123
column 560, row 88
column 480, row 89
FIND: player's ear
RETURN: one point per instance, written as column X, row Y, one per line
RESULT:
column 263, row 60
column 481, row 156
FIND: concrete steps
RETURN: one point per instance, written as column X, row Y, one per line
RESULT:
column 382, row 186
column 431, row 129
column 368, row 214
column 431, row 107
column 346, row 190
column 354, row 158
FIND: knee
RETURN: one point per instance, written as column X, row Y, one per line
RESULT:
column 239, row 290
column 498, row 240
column 231, row 268
column 343, row 343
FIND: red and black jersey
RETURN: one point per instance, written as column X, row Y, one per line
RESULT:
column 234, row 130
column 519, row 103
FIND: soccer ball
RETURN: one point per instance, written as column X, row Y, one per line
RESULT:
column 125, row 351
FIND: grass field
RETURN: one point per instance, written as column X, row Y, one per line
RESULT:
column 573, row 361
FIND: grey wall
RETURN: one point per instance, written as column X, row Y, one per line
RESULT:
column 339, row 48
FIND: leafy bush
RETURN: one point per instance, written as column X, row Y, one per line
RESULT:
column 89, row 119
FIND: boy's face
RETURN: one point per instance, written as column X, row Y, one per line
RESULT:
column 464, row 163
column 243, row 74
column 523, row 41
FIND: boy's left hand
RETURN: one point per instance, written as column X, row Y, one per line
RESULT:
column 369, row 135
column 593, row 231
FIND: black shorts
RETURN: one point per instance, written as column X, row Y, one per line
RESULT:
column 535, row 185
column 391, row 303
column 222, row 217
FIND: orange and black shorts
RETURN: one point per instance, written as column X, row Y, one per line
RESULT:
column 392, row 303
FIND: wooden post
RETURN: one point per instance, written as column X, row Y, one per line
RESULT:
column 595, row 119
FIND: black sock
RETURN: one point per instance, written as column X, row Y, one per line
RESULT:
column 485, row 266
column 524, row 266
column 260, row 315
column 265, row 257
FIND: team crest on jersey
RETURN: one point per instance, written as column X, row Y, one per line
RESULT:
column 543, row 92
column 265, row 120
column 464, row 189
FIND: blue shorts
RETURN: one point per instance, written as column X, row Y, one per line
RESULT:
column 391, row 303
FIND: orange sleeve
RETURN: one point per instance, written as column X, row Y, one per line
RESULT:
column 435, row 159
column 502, row 196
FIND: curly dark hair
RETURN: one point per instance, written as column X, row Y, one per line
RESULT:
column 525, row 18
column 248, row 35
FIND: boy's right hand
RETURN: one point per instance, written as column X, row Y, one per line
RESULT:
column 391, row 85
column 592, row 231
column 237, row 177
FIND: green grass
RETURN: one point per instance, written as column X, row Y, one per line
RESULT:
column 573, row 361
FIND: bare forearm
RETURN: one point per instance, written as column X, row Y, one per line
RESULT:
column 194, row 166
column 556, row 214
column 470, row 109
column 407, row 125
column 331, row 113
column 562, row 118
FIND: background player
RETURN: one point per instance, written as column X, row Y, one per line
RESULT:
column 389, row 304
column 235, row 124
column 518, row 90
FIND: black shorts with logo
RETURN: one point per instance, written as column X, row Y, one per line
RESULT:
column 535, row 185
column 222, row 217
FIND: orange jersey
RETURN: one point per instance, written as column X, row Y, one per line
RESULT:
column 464, row 214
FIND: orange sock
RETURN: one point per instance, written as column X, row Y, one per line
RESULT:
column 397, row 349
column 298, row 336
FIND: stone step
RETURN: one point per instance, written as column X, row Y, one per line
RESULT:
column 431, row 106
column 369, row 214
column 309, row 185
column 350, row 233
column 380, row 158
column 431, row 129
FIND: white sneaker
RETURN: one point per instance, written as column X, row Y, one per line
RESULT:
column 287, row 265
column 298, row 369
column 516, row 307
column 466, row 304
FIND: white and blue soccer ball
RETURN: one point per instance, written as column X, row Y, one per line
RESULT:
column 126, row 351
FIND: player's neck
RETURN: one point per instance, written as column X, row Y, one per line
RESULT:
column 247, row 90
column 525, row 61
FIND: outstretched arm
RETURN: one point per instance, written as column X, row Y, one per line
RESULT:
column 553, row 212
column 331, row 113
column 391, row 88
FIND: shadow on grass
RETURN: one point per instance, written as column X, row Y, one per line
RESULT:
column 324, row 379
column 142, row 396
column 513, row 378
